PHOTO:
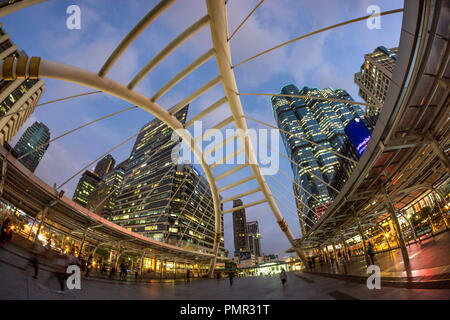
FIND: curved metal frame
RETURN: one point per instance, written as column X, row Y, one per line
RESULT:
column 219, row 34
column 217, row 19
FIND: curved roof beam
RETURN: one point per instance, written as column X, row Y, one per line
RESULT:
column 175, row 43
column 137, row 30
column 219, row 31
column 59, row 71
column 15, row 6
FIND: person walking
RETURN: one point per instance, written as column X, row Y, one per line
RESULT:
column 283, row 277
column 310, row 265
column 188, row 276
column 136, row 271
column 113, row 269
column 88, row 265
column 231, row 276
column 5, row 232
column 371, row 252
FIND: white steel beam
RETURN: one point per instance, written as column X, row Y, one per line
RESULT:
column 175, row 43
column 134, row 33
column 219, row 32
column 251, row 204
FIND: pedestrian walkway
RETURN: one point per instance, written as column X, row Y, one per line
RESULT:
column 429, row 262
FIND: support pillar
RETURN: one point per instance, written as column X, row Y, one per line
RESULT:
column 437, row 149
column 443, row 213
column 41, row 222
column 82, row 241
column 360, row 229
column 401, row 241
column 344, row 244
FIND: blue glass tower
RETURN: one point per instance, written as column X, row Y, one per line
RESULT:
column 321, row 122
column 35, row 136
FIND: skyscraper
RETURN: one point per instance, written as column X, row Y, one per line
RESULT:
column 163, row 201
column 375, row 76
column 35, row 136
column 254, row 238
column 86, row 185
column 17, row 95
column 104, row 166
column 102, row 199
column 240, row 229
column 322, row 122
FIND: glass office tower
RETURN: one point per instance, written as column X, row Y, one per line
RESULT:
column 254, row 238
column 36, row 135
column 375, row 77
column 102, row 199
column 104, row 166
column 15, row 95
column 86, row 185
column 163, row 201
column 240, row 229
column 321, row 122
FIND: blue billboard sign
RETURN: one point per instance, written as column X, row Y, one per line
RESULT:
column 358, row 134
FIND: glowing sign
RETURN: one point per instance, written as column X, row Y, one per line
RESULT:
column 358, row 134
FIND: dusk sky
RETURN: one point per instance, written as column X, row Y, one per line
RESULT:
column 329, row 59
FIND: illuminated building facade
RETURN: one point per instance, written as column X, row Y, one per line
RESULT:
column 375, row 76
column 102, row 199
column 254, row 238
column 321, row 122
column 87, row 183
column 35, row 136
column 104, row 166
column 172, row 204
column 15, row 95
column 240, row 230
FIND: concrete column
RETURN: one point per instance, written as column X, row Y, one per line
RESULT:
column 363, row 241
column 397, row 228
column 443, row 213
column 335, row 251
column 82, row 241
column 345, row 247
column 43, row 216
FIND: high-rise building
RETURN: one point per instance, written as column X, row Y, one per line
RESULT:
column 15, row 95
column 33, row 138
column 240, row 229
column 104, row 166
column 254, row 238
column 86, row 185
column 375, row 76
column 163, row 201
column 103, row 198
column 321, row 122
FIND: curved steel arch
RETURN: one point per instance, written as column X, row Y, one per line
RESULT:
column 64, row 72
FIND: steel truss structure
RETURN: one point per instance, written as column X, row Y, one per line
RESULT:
column 412, row 127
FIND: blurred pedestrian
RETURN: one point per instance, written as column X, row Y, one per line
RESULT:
column 6, row 232
column 34, row 260
column 188, row 276
column 89, row 265
column 371, row 252
column 136, row 271
column 310, row 264
column 283, row 277
column 231, row 276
